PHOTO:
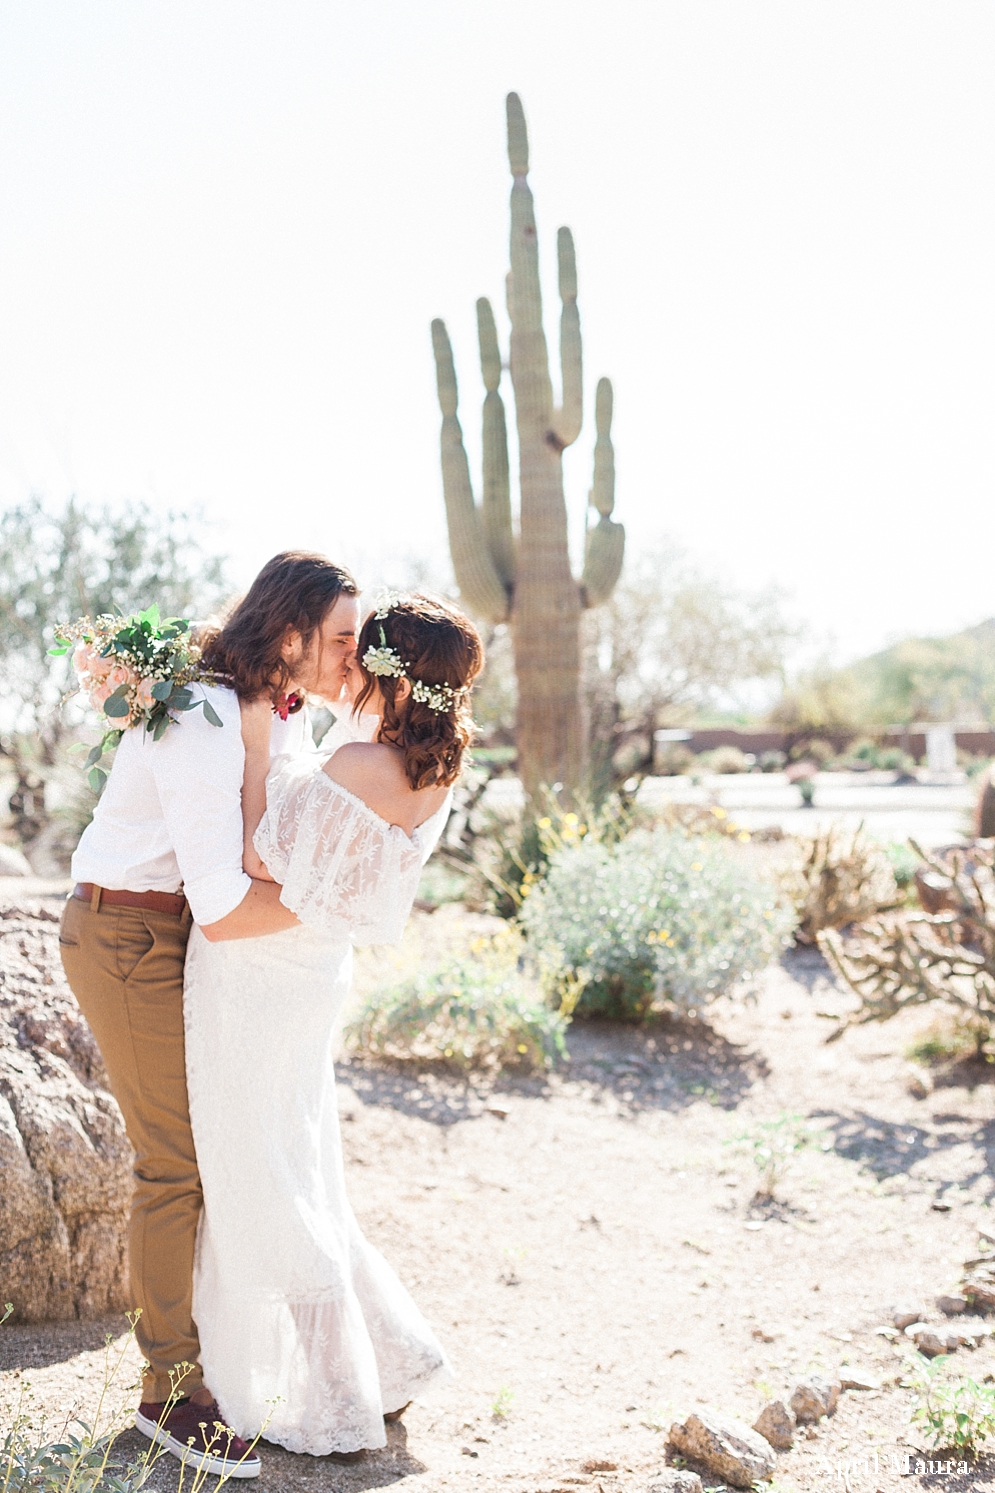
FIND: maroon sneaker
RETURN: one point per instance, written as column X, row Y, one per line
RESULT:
column 198, row 1435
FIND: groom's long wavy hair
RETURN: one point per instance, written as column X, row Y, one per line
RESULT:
column 439, row 645
column 292, row 593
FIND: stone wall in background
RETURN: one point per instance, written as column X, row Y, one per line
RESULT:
column 65, row 1161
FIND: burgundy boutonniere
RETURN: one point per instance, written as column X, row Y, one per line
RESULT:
column 287, row 705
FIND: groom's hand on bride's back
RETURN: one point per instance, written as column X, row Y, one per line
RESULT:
column 259, row 912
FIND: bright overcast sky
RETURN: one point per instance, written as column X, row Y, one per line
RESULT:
column 227, row 225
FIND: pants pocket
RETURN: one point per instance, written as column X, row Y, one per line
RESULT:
column 69, row 924
column 133, row 941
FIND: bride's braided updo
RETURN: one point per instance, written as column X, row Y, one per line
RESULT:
column 437, row 646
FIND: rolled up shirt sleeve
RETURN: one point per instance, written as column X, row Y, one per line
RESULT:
column 198, row 770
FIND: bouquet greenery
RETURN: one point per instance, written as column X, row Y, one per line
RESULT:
column 136, row 671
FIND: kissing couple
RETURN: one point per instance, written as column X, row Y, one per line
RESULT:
column 221, row 886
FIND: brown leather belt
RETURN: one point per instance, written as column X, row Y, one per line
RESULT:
column 173, row 903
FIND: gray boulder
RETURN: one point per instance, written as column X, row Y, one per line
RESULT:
column 65, row 1162
column 725, row 1446
column 776, row 1424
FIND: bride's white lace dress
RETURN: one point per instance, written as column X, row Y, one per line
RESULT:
column 301, row 1320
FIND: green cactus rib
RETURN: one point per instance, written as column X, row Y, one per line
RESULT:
column 495, row 505
column 476, row 574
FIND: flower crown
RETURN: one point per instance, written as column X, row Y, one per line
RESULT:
column 387, row 663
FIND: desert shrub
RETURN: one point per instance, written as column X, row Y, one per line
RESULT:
column 907, row 959
column 479, row 1009
column 673, row 759
column 725, row 759
column 840, row 876
column 772, row 761
column 661, row 920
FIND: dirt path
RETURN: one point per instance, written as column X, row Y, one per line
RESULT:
column 594, row 1265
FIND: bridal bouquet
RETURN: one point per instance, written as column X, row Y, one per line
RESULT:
column 136, row 671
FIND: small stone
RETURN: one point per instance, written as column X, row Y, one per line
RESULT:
column 598, row 1464
column 675, row 1480
column 980, row 1294
column 929, row 1342
column 761, row 1336
column 952, row 1306
column 815, row 1397
column 501, row 1110
column 776, row 1424
column 851, row 1378
column 904, row 1314
column 914, row 1328
column 940, row 1207
column 890, row 1333
column 728, row 1447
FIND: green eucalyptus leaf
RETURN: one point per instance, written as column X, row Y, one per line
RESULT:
column 96, row 778
column 211, row 715
column 162, row 689
column 116, row 707
column 59, row 651
column 151, row 616
column 95, row 755
column 160, row 727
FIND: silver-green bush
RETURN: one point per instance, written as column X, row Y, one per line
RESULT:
column 479, row 1009
column 661, row 920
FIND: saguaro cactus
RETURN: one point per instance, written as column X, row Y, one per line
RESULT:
column 526, row 578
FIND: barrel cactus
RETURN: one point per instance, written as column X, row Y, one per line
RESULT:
column 526, row 578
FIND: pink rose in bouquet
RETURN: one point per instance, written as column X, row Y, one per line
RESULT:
column 144, row 698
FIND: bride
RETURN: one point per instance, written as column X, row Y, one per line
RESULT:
column 302, row 1322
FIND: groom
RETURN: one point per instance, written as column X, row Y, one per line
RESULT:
column 164, row 850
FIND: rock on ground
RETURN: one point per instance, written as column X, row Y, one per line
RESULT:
column 726, row 1446
column 814, row 1397
column 675, row 1480
column 65, row 1162
column 776, row 1424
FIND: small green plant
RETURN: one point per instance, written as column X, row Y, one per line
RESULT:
column 503, row 1402
column 904, row 864
column 954, row 1411
column 82, row 1459
column 660, row 921
column 949, row 1038
column 480, row 1009
column 772, row 1145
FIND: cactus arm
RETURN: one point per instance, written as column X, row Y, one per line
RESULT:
column 568, row 418
column 603, row 490
column 604, row 549
column 476, row 575
column 603, row 558
column 529, row 358
column 495, row 508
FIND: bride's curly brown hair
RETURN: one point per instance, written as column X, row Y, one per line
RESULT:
column 439, row 645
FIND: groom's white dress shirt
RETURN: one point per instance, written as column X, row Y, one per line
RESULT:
column 170, row 815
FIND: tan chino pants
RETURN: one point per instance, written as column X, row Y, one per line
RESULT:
column 125, row 967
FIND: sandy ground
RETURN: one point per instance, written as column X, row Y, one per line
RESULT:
column 594, row 1262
